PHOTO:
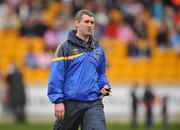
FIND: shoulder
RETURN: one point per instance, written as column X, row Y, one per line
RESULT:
column 62, row 49
column 96, row 43
column 98, row 46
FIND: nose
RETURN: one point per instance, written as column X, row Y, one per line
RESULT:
column 89, row 24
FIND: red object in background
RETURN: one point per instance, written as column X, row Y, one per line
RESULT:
column 111, row 30
column 176, row 2
column 177, row 18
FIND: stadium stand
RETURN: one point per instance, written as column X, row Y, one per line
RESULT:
column 162, row 67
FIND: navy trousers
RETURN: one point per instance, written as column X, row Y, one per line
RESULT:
column 88, row 115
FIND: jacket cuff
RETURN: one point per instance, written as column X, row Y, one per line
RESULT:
column 101, row 85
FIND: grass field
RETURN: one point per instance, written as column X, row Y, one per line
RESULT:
column 112, row 126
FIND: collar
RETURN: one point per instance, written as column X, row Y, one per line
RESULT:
column 73, row 39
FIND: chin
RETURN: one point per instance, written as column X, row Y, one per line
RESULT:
column 88, row 34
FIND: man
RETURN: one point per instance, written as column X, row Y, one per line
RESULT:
column 134, row 106
column 164, row 111
column 77, row 78
column 16, row 93
column 149, row 102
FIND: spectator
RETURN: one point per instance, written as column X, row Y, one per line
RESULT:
column 16, row 92
column 102, row 19
column 101, row 16
column 148, row 99
column 162, row 37
column 44, row 58
column 23, row 10
column 134, row 8
column 134, row 106
column 169, row 17
column 175, row 40
column 111, row 28
column 165, row 112
column 66, row 12
column 30, row 59
column 125, row 33
column 27, row 27
column 9, row 19
column 36, row 8
column 177, row 17
column 144, row 48
column 147, row 4
column 33, row 27
column 158, row 10
column 133, row 50
column 51, row 37
column 77, row 5
column 140, row 27
column 40, row 27
column 63, row 32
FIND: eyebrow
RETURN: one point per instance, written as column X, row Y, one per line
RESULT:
column 89, row 21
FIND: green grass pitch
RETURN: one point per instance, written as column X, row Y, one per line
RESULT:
column 110, row 126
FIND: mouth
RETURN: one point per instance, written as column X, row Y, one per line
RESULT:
column 89, row 30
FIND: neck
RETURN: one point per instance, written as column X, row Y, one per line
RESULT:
column 83, row 37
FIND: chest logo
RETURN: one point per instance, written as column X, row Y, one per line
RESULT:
column 75, row 51
column 96, row 54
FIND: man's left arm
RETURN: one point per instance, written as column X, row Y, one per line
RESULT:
column 102, row 81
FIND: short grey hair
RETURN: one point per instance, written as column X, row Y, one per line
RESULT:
column 80, row 13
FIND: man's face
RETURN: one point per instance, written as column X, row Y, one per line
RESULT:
column 86, row 25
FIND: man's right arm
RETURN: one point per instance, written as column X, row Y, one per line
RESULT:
column 56, row 82
column 56, row 77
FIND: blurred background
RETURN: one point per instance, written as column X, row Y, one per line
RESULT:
column 141, row 40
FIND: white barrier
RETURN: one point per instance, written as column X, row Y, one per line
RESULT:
column 118, row 105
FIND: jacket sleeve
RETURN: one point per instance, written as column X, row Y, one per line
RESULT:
column 56, row 77
column 102, row 72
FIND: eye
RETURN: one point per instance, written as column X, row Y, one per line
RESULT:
column 92, row 22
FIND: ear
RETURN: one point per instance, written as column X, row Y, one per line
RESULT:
column 77, row 24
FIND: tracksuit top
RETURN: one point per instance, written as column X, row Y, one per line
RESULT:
column 77, row 71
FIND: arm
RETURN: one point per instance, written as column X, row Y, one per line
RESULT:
column 56, row 82
column 55, row 90
column 103, row 82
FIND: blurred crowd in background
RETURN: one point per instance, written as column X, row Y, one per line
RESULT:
column 141, row 26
